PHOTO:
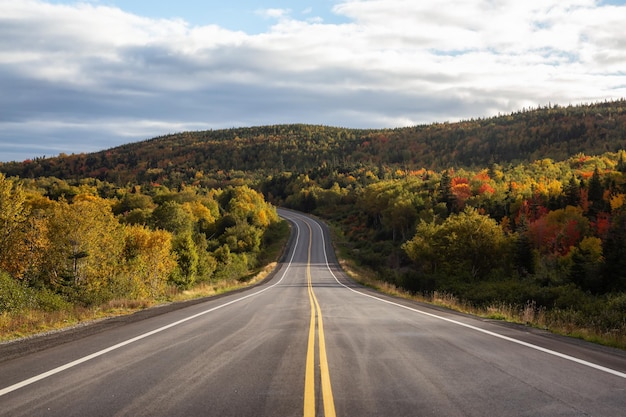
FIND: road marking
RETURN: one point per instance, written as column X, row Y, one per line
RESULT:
column 84, row 359
column 309, row 384
column 309, row 378
column 478, row 329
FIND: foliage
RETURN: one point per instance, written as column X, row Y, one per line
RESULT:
column 217, row 158
column 149, row 262
column 467, row 241
column 91, row 247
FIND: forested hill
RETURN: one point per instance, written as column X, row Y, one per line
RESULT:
column 554, row 132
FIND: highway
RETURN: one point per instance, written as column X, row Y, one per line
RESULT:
column 309, row 342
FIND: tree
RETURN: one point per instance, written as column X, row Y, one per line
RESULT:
column 86, row 243
column 524, row 257
column 186, row 272
column 13, row 217
column 249, row 204
column 572, row 192
column 587, row 261
column 401, row 214
column 461, row 191
column 596, row 193
column 467, row 241
column 171, row 216
column 202, row 216
column 614, row 250
column 149, row 261
column 559, row 231
column 445, row 191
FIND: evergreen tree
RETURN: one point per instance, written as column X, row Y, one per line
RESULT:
column 596, row 194
column 524, row 258
column 445, row 191
column 572, row 192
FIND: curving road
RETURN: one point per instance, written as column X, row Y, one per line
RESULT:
column 309, row 342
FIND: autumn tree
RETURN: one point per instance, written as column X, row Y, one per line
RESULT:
column 13, row 217
column 465, row 243
column 86, row 247
column 558, row 231
column 149, row 262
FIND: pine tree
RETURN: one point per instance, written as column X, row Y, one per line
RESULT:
column 445, row 191
column 572, row 192
column 596, row 194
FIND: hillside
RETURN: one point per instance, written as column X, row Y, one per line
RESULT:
column 551, row 132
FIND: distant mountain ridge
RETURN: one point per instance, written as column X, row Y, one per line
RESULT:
column 554, row 132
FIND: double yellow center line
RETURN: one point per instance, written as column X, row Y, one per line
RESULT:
column 309, row 380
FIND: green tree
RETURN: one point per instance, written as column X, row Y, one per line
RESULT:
column 587, row 261
column 187, row 257
column 572, row 192
column 464, row 242
column 596, row 194
column 445, row 191
column 171, row 216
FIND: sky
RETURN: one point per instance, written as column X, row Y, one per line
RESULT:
column 82, row 76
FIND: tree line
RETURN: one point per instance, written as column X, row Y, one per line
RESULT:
column 90, row 242
column 215, row 157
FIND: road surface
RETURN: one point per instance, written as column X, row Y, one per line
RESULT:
column 309, row 342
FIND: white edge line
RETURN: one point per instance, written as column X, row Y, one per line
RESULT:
column 469, row 326
column 84, row 359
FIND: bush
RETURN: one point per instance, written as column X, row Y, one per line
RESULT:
column 49, row 301
column 14, row 296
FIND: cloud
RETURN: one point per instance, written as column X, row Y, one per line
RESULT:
column 89, row 76
column 274, row 13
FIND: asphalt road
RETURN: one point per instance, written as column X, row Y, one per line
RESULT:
column 309, row 342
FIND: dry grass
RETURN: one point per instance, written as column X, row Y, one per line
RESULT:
column 214, row 288
column 30, row 322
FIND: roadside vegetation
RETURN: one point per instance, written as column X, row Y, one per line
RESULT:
column 70, row 253
column 519, row 217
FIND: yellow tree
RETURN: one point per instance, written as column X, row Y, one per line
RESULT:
column 202, row 216
column 149, row 261
column 248, row 205
column 86, row 245
column 14, row 214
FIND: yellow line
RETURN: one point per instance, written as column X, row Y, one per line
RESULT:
column 309, row 381
column 309, row 384
column 327, row 391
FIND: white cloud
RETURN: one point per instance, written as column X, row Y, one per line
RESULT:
column 274, row 13
column 396, row 62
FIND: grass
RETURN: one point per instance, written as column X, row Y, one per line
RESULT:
column 29, row 322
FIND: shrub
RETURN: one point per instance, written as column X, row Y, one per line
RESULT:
column 14, row 296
